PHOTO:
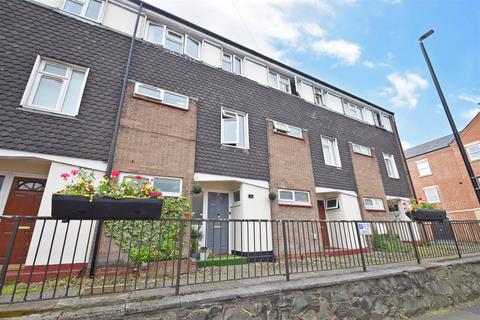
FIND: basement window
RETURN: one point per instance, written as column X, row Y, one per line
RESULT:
column 287, row 129
column 167, row 97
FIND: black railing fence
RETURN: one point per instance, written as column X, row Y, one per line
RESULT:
column 45, row 258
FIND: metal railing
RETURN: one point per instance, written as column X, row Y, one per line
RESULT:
column 45, row 258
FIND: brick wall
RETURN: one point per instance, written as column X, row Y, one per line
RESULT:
column 369, row 184
column 156, row 139
column 290, row 168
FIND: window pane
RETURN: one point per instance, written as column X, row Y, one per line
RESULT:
column 318, row 97
column 296, row 132
column 175, row 99
column 73, row 7
column 173, row 45
column 368, row 202
column 48, row 92
column 167, row 185
column 93, row 10
column 227, row 62
column 284, row 84
column 432, row 195
column 73, row 93
column 230, row 130
column 236, row 196
column 192, row 48
column 149, row 92
column 301, row 196
column 286, row 195
column 332, row 203
column 155, row 33
column 241, row 131
column 238, row 65
column 54, row 69
column 272, row 79
column 474, row 151
column 334, row 102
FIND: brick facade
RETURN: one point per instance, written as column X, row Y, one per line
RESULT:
column 156, row 139
column 290, row 168
column 369, row 184
column 450, row 176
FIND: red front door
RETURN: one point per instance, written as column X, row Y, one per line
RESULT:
column 24, row 200
column 323, row 225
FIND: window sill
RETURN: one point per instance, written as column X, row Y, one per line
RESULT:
column 286, row 204
column 362, row 154
column 376, row 210
column 47, row 113
column 425, row 175
column 226, row 147
column 153, row 100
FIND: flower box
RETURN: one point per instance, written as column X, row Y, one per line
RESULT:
column 421, row 214
column 100, row 208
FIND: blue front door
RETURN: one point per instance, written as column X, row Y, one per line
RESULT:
column 217, row 231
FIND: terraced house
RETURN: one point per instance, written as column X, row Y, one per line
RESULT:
column 197, row 107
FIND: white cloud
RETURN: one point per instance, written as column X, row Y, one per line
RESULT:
column 406, row 145
column 470, row 113
column 393, row 1
column 346, row 52
column 373, row 65
column 404, row 90
column 271, row 27
column 470, row 98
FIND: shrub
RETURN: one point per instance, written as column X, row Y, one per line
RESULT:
column 388, row 242
column 149, row 241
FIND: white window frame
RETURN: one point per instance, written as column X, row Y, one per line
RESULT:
column 162, row 95
column 279, row 77
column 293, row 201
column 85, row 4
column 336, row 152
column 320, row 94
column 335, row 207
column 150, row 178
column 239, row 72
column 385, row 122
column 326, row 103
column 419, row 163
column 357, row 148
column 468, row 146
column 283, row 128
column 349, row 107
column 174, row 40
column 149, row 23
column 394, row 174
column 187, row 38
column 236, row 203
column 435, row 188
column 231, row 57
column 235, row 113
column 34, row 81
column 377, row 204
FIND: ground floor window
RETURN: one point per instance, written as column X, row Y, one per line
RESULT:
column 293, row 197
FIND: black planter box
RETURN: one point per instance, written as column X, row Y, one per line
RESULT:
column 429, row 215
column 81, row 208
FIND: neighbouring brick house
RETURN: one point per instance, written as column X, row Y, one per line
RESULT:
column 439, row 175
column 197, row 108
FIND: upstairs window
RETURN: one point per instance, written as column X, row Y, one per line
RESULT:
column 293, row 197
column 55, row 86
column 155, row 33
column 237, row 65
column 192, row 48
column 384, row 121
column 390, row 165
column 368, row 116
column 167, row 97
column 330, row 152
column 90, row 9
column 227, row 62
column 373, row 204
column 234, row 129
column 431, row 194
column 319, row 97
column 334, row 102
column 473, row 151
column 423, row 168
column 361, row 149
column 287, row 129
column 174, row 41
column 353, row 111
column 279, row 82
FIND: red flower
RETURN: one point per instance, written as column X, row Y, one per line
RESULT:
column 155, row 194
column 420, row 199
column 115, row 173
column 138, row 177
column 65, row 175
column 74, row 172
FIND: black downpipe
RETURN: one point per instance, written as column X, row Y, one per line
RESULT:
column 113, row 146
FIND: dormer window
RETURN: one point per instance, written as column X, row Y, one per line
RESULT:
column 174, row 41
column 90, row 9
column 279, row 82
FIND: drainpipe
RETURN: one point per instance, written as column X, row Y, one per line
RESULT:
column 111, row 154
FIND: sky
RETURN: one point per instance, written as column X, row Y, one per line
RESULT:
column 366, row 47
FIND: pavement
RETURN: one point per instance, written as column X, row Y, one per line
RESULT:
column 467, row 311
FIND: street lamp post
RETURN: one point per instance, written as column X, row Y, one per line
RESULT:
column 468, row 166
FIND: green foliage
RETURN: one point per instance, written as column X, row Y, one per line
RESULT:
column 222, row 261
column 149, row 241
column 389, row 242
column 197, row 188
column 272, row 196
column 195, row 236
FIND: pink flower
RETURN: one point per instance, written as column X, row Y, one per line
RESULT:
column 115, row 173
column 65, row 175
column 74, row 172
column 155, row 194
